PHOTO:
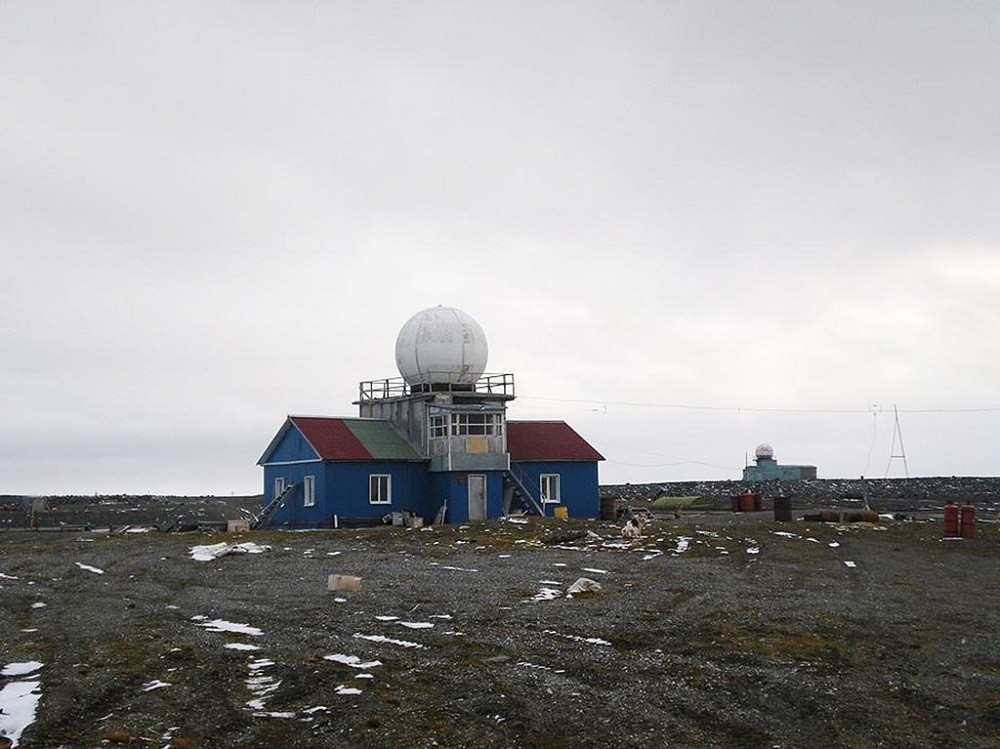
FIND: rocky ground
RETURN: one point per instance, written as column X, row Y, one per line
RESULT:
column 712, row 630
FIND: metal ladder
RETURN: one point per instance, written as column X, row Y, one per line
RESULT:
column 272, row 507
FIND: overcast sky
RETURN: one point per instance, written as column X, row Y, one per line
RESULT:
column 685, row 227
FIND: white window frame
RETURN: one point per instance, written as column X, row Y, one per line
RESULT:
column 309, row 491
column 375, row 491
column 438, row 425
column 546, row 483
column 279, row 486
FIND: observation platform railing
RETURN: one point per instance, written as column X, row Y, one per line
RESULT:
column 441, row 382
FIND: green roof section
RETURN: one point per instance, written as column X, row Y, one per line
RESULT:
column 381, row 439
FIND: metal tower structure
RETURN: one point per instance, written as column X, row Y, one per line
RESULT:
column 897, row 433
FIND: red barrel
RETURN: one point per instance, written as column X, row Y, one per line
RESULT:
column 950, row 520
column 736, row 503
column 746, row 502
column 758, row 503
column 968, row 524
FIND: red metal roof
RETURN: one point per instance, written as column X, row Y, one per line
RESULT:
column 547, row 440
column 331, row 438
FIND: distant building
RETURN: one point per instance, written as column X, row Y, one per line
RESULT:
column 768, row 469
column 432, row 443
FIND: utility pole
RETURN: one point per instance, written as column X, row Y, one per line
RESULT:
column 897, row 432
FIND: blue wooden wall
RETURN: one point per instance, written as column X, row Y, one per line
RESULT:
column 578, row 489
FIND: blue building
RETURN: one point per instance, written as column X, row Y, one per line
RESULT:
column 767, row 468
column 434, row 443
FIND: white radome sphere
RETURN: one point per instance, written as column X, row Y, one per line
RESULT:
column 441, row 345
column 764, row 452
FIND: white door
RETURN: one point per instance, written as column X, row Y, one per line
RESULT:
column 477, row 496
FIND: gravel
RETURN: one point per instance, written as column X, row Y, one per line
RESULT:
column 712, row 630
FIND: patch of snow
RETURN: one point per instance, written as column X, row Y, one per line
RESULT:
column 340, row 600
column 850, row 564
column 416, row 625
column 576, row 638
column 753, row 550
column 88, row 568
column 517, row 521
column 387, row 618
column 683, row 544
column 240, row 646
column 138, row 530
column 221, row 625
column 18, row 703
column 149, row 686
column 549, row 582
column 594, row 569
column 260, row 663
column 39, row 605
column 341, row 689
column 318, row 708
column 459, row 569
column 786, row 534
column 20, row 669
column 503, row 556
column 559, row 564
column 279, row 715
column 262, row 687
column 390, row 641
column 351, row 660
column 439, row 616
column 833, row 545
column 8, row 577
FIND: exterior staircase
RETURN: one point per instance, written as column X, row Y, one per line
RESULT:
column 515, row 479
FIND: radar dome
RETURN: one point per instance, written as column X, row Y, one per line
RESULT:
column 764, row 452
column 441, row 345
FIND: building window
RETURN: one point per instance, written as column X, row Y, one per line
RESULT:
column 380, row 489
column 439, row 426
column 309, row 491
column 464, row 424
column 548, row 486
column 279, row 487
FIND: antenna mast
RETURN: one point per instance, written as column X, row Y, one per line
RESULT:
column 897, row 432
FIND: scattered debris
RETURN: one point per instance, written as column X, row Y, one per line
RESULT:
column 343, row 582
column 209, row 552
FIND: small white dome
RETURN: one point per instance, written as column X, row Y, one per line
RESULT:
column 441, row 345
column 764, row 452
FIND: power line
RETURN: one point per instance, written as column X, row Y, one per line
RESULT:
column 750, row 409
